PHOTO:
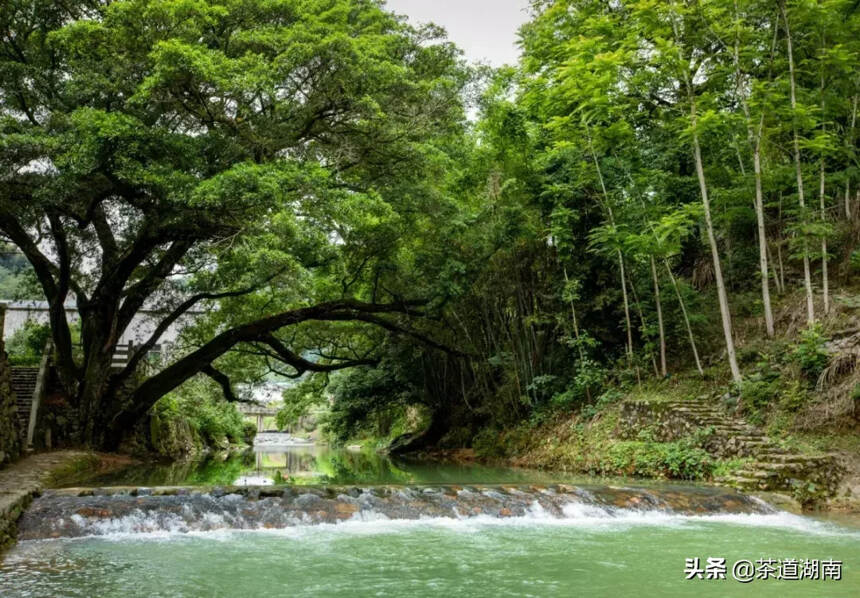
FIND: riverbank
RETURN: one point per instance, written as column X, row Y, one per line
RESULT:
column 26, row 478
column 663, row 438
column 792, row 425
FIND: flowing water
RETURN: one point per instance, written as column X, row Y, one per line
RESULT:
column 355, row 524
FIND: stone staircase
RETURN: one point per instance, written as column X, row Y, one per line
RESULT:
column 736, row 437
column 23, row 385
column 806, row 474
column 772, row 467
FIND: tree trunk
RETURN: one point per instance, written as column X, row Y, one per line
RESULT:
column 773, row 270
column 659, row 318
column 725, row 313
column 686, row 318
column 575, row 323
column 807, row 277
column 762, row 235
column 850, row 143
column 781, row 240
column 92, row 400
column 620, row 255
column 638, row 306
column 825, row 283
column 626, row 309
column 755, row 142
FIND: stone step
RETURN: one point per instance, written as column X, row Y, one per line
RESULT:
column 23, row 383
column 708, row 417
column 25, row 374
column 759, row 474
column 765, row 466
column 771, row 457
column 740, row 481
column 770, row 466
column 777, row 466
column 769, row 448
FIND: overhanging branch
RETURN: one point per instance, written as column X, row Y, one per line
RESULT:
column 177, row 313
column 224, row 382
column 302, row 365
column 342, row 310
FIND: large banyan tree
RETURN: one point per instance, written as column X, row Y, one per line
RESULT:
column 265, row 160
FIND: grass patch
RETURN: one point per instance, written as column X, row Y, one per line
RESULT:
column 727, row 467
column 673, row 389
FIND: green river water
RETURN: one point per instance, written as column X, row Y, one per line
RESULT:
column 586, row 553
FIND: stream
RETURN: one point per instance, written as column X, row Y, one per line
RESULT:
column 304, row 520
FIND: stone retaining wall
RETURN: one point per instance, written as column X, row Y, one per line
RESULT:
column 11, row 509
column 770, row 466
column 10, row 428
column 662, row 421
column 24, row 480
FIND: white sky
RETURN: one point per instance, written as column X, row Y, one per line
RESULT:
column 486, row 30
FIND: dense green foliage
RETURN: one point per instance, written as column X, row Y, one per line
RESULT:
column 26, row 345
column 17, row 281
column 810, row 353
column 210, row 418
column 648, row 175
column 274, row 159
column 648, row 171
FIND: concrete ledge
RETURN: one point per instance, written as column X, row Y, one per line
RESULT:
column 23, row 480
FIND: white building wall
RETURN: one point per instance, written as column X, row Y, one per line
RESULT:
column 140, row 329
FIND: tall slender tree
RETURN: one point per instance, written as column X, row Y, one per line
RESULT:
column 686, row 65
column 807, row 275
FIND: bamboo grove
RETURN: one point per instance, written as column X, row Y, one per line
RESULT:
column 649, row 171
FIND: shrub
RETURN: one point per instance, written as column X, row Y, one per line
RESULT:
column 26, row 345
column 659, row 459
column 249, row 431
column 728, row 467
column 757, row 394
column 200, row 403
column 613, row 395
column 810, row 353
column 487, row 443
column 760, row 390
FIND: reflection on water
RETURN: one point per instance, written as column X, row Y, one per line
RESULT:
column 309, row 464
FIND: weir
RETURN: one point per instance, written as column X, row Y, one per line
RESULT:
column 74, row 512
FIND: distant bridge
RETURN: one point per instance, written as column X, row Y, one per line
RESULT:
column 259, row 410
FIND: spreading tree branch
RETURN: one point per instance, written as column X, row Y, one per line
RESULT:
column 184, row 368
column 224, row 382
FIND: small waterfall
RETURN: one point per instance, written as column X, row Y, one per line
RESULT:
column 70, row 513
column 275, row 440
